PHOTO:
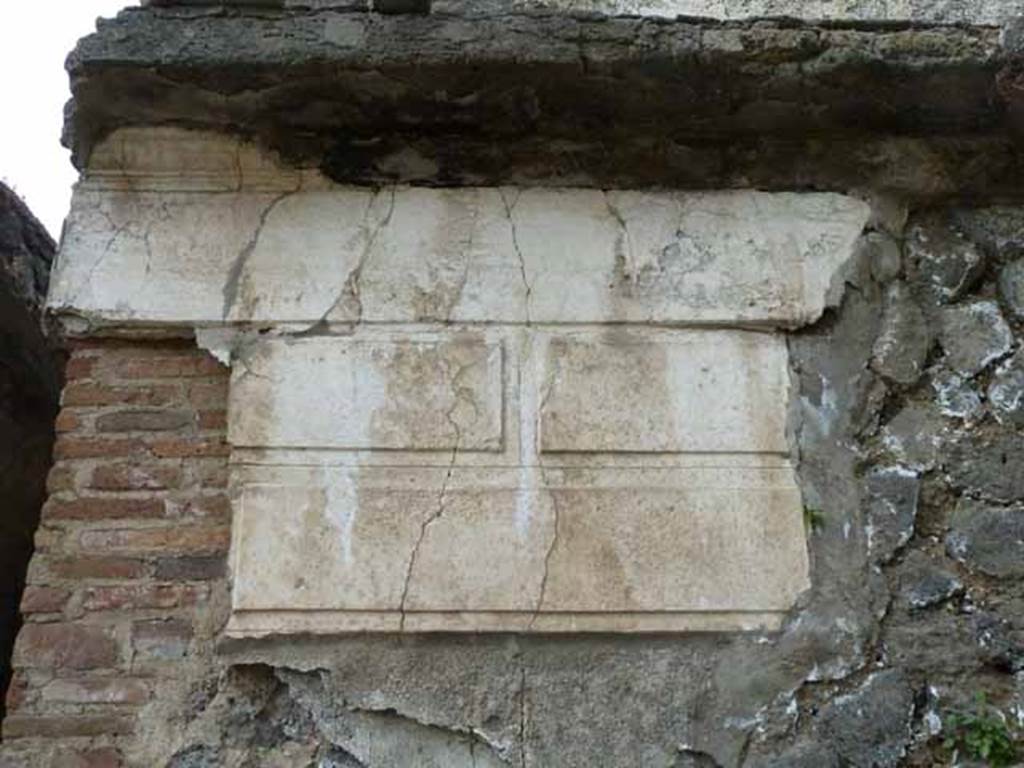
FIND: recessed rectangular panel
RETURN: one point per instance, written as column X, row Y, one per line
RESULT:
column 706, row 391
column 403, row 394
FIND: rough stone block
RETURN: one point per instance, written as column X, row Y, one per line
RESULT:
column 973, row 336
column 988, row 538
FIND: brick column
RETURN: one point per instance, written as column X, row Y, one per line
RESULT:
column 129, row 567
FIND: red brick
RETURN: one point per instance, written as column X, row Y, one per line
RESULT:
column 135, row 477
column 65, row 645
column 180, row 539
column 108, row 690
column 161, row 639
column 151, row 420
column 29, row 726
column 96, row 448
column 103, row 757
column 213, row 420
column 16, row 691
column 212, row 507
column 88, row 567
column 171, row 367
column 103, row 508
column 43, row 599
column 203, row 568
column 209, row 395
column 141, row 596
column 61, row 478
column 67, row 421
column 180, row 448
column 213, row 474
column 88, row 394
column 79, row 367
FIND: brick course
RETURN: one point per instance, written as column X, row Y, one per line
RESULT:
column 130, row 553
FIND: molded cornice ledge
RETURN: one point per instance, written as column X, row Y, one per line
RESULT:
column 505, row 95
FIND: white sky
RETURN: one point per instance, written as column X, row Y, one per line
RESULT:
column 35, row 38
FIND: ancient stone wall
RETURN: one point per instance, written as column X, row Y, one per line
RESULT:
column 907, row 411
column 29, row 388
column 420, row 413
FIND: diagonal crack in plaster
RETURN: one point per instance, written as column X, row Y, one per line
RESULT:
column 350, row 289
column 232, row 283
column 450, row 416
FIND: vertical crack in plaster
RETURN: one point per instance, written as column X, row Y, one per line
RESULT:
column 509, row 209
column 457, row 296
column 554, row 503
column 624, row 248
column 232, row 284
column 351, row 288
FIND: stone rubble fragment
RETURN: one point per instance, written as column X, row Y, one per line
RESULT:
column 1011, row 287
column 973, row 336
column 884, row 257
column 955, row 396
column 1006, row 391
column 915, row 436
column 988, row 538
column 902, row 347
column 988, row 465
column 892, row 494
column 871, row 727
column 925, row 584
column 941, row 264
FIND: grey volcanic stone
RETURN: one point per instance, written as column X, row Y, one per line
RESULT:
column 915, row 436
column 924, row 584
column 870, row 728
column 955, row 396
column 902, row 347
column 974, row 335
column 942, row 265
column 1011, row 287
column 400, row 6
column 1006, row 391
column 198, row 756
column 884, row 256
column 892, row 494
column 988, row 539
column 802, row 756
column 989, row 465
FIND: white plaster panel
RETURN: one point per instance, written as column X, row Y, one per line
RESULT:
column 441, row 548
column 477, row 409
column 261, row 244
column 715, row 391
column 333, row 392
